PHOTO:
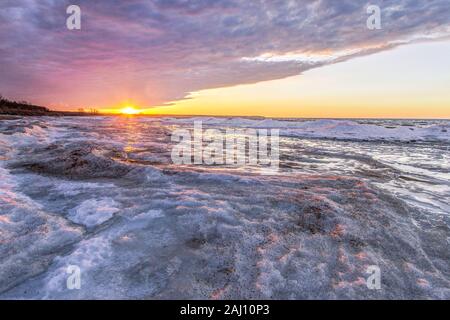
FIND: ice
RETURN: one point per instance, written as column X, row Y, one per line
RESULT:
column 94, row 212
column 30, row 237
column 102, row 194
column 74, row 188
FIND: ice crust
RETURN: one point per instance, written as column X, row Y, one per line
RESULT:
column 141, row 228
column 401, row 130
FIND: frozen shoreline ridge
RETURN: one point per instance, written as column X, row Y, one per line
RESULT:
column 394, row 130
column 102, row 193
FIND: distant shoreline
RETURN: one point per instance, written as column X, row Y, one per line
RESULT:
column 23, row 108
column 26, row 113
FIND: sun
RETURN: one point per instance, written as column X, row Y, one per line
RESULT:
column 129, row 110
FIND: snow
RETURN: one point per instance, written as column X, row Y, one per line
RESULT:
column 93, row 212
column 103, row 195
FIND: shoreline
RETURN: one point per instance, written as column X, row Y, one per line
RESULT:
column 7, row 115
column 27, row 113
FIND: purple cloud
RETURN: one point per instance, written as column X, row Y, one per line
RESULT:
column 158, row 51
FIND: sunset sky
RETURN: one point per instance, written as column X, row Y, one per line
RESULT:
column 283, row 58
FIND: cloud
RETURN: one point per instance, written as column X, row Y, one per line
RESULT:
column 154, row 52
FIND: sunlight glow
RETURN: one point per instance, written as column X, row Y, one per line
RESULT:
column 129, row 110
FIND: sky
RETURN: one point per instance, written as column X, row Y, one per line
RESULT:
column 283, row 58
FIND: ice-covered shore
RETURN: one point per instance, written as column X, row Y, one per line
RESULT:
column 102, row 194
column 394, row 130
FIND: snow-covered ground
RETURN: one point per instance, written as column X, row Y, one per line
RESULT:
column 102, row 194
column 393, row 130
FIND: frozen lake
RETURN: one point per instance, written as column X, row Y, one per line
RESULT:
column 102, row 193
